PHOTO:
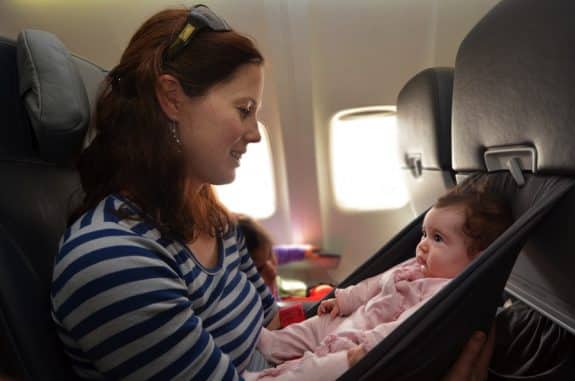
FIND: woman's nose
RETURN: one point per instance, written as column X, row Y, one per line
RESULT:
column 253, row 134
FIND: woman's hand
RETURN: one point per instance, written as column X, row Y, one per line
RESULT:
column 473, row 361
column 328, row 306
column 274, row 324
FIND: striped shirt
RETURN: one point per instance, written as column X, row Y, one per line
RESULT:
column 131, row 304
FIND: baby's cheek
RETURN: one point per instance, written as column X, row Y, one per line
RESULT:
column 457, row 268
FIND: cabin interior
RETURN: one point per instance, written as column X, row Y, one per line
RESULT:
column 330, row 168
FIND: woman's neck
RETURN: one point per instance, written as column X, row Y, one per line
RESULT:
column 193, row 187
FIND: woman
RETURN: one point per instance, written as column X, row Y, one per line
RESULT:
column 153, row 280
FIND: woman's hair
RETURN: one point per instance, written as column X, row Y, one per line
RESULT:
column 255, row 235
column 487, row 214
column 133, row 150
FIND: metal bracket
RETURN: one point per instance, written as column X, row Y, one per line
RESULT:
column 413, row 161
column 514, row 159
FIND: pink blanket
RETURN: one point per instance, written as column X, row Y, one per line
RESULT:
column 316, row 349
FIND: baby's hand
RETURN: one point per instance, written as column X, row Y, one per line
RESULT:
column 329, row 306
column 355, row 354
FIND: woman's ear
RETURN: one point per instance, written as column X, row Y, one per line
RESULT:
column 169, row 93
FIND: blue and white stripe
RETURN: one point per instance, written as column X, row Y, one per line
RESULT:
column 133, row 305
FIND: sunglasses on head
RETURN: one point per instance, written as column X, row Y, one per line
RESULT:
column 200, row 17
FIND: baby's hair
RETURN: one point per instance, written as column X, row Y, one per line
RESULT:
column 487, row 214
column 254, row 233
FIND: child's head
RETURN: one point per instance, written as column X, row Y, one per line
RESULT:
column 459, row 226
column 259, row 245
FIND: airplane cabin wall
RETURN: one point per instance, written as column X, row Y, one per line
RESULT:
column 323, row 56
column 362, row 53
column 99, row 30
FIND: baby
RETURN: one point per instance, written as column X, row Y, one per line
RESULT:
column 460, row 225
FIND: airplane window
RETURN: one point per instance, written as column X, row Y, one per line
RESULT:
column 364, row 161
column 253, row 191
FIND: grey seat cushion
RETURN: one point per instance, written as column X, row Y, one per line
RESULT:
column 53, row 94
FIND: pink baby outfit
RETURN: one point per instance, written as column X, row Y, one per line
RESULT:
column 371, row 310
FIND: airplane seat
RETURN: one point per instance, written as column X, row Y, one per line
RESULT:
column 513, row 111
column 16, row 140
column 512, row 131
column 424, row 132
column 45, row 109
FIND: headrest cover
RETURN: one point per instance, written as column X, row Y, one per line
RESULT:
column 53, row 93
column 515, row 85
column 424, row 118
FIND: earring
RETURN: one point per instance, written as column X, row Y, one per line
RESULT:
column 175, row 135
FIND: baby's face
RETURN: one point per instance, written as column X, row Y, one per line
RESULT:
column 442, row 251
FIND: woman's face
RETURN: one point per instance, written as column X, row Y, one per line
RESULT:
column 216, row 129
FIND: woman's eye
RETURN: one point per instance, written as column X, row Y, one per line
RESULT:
column 244, row 112
column 437, row 238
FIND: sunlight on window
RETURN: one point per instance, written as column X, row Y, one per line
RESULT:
column 253, row 191
column 364, row 160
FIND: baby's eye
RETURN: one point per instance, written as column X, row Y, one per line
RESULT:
column 437, row 238
column 423, row 234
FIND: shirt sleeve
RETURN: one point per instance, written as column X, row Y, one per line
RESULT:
column 126, row 308
column 247, row 266
column 350, row 298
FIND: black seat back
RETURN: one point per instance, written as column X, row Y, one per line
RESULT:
column 16, row 137
column 39, row 189
column 513, row 113
column 424, row 131
column 513, row 103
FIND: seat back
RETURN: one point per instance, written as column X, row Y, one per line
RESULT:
column 40, row 188
column 513, row 111
column 16, row 137
column 424, row 131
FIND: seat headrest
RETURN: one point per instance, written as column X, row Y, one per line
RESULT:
column 515, row 86
column 424, row 118
column 53, row 93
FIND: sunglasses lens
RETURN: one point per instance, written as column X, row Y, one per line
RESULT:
column 205, row 17
column 200, row 17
